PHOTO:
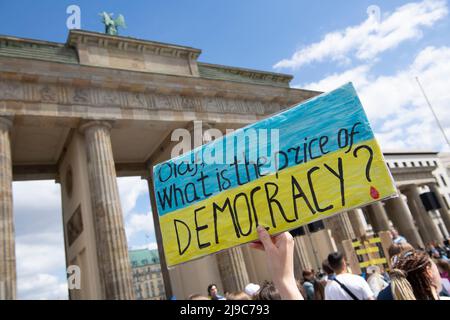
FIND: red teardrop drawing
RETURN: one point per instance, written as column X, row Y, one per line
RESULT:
column 374, row 193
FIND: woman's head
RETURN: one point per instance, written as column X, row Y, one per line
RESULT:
column 308, row 275
column 240, row 295
column 396, row 249
column 197, row 296
column 326, row 267
column 443, row 266
column 212, row 290
column 413, row 277
column 267, row 292
column 394, row 233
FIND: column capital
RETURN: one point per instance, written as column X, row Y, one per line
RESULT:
column 87, row 124
column 433, row 184
column 6, row 122
column 410, row 188
column 401, row 196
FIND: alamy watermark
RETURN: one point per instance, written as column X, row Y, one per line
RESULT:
column 374, row 12
column 74, row 277
column 244, row 145
column 74, row 19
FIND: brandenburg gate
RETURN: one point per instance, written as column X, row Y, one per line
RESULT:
column 100, row 107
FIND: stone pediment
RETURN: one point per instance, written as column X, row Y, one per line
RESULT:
column 102, row 50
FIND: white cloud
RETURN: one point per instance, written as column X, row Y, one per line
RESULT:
column 37, row 207
column 40, row 256
column 137, row 223
column 396, row 104
column 356, row 75
column 42, row 286
column 130, row 188
column 40, row 253
column 371, row 37
column 138, row 226
column 41, row 266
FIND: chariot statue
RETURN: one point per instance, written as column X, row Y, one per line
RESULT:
column 112, row 25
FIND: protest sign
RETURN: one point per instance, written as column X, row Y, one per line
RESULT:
column 304, row 164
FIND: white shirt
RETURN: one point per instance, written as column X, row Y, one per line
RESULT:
column 356, row 284
column 376, row 283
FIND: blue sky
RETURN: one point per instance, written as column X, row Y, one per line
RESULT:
column 251, row 33
column 323, row 44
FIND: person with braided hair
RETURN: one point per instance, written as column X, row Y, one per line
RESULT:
column 413, row 277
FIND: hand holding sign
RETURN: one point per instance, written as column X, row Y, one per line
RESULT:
column 321, row 158
column 280, row 261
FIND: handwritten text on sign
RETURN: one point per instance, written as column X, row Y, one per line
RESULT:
column 309, row 162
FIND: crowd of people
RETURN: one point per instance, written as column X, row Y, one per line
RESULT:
column 414, row 274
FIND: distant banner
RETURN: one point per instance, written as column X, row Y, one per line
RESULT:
column 304, row 164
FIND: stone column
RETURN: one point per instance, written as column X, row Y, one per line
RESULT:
column 158, row 235
column 357, row 224
column 341, row 228
column 443, row 211
column 7, row 246
column 427, row 228
column 232, row 269
column 401, row 217
column 378, row 217
column 301, row 254
column 112, row 250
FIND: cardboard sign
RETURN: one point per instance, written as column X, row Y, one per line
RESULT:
column 365, row 252
column 304, row 164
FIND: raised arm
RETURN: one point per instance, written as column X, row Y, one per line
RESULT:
column 280, row 260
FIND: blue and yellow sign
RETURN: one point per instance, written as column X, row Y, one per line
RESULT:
column 304, row 164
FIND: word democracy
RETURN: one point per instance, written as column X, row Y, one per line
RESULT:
column 266, row 202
